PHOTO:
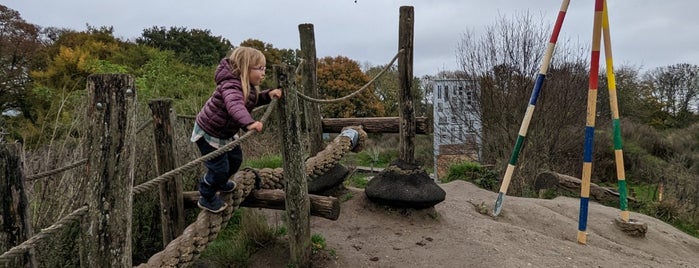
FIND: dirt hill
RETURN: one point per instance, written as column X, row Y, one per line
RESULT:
column 528, row 233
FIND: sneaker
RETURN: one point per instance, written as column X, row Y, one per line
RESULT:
column 228, row 187
column 215, row 205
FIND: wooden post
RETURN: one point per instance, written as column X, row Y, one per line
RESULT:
column 110, row 149
column 296, row 188
column 309, row 83
column 14, row 205
column 405, row 78
column 171, row 204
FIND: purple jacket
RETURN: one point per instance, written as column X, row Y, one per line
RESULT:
column 224, row 113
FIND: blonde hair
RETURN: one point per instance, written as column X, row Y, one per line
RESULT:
column 241, row 60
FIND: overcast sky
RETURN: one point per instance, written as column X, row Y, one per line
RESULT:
column 644, row 33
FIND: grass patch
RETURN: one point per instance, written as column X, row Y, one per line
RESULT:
column 357, row 180
column 246, row 232
column 274, row 161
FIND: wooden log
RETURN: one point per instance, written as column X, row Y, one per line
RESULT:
column 14, row 211
column 110, row 148
column 171, row 209
column 311, row 110
column 568, row 185
column 321, row 206
column 296, row 180
column 374, row 124
column 406, row 142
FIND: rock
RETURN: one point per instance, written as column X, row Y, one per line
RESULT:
column 334, row 177
column 404, row 185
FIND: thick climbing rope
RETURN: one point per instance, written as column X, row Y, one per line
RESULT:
column 186, row 248
column 353, row 93
column 34, row 241
column 55, row 171
column 152, row 184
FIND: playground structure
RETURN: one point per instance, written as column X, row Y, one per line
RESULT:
column 601, row 24
column 110, row 149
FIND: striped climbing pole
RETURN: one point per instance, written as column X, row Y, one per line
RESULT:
column 616, row 125
column 590, row 122
column 541, row 76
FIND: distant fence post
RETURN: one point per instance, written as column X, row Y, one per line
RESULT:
column 405, row 78
column 110, row 148
column 296, row 188
column 311, row 110
column 171, row 202
column 14, row 205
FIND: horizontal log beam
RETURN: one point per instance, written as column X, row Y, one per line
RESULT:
column 571, row 185
column 374, row 124
column 321, row 206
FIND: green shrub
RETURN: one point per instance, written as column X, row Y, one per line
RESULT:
column 474, row 173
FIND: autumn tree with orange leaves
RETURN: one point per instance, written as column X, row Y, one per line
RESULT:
column 341, row 76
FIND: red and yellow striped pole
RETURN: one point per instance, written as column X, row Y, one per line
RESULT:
column 530, row 108
column 590, row 122
column 616, row 125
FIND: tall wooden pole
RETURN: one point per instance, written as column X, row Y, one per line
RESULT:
column 14, row 205
column 110, row 147
column 171, row 203
column 405, row 78
column 296, row 188
column 309, row 84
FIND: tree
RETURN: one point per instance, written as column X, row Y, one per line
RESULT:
column 386, row 88
column 340, row 76
column 19, row 42
column 677, row 88
column 498, row 69
column 634, row 98
column 273, row 55
column 196, row 47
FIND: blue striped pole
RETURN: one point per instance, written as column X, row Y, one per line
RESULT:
column 530, row 108
column 590, row 123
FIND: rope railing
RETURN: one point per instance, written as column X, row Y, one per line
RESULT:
column 149, row 185
column 32, row 242
column 55, row 171
column 353, row 93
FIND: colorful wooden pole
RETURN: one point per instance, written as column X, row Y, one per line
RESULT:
column 590, row 123
column 616, row 125
column 530, row 108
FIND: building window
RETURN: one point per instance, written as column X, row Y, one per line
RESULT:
column 439, row 107
column 439, row 92
column 443, row 120
column 446, row 92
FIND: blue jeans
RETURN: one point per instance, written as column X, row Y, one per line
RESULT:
column 220, row 169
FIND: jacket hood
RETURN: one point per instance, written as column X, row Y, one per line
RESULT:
column 224, row 71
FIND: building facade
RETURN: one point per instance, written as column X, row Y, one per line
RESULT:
column 457, row 125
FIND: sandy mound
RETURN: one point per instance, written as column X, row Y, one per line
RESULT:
column 528, row 233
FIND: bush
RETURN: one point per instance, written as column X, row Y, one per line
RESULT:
column 474, row 173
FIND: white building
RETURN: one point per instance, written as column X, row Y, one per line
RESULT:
column 457, row 124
